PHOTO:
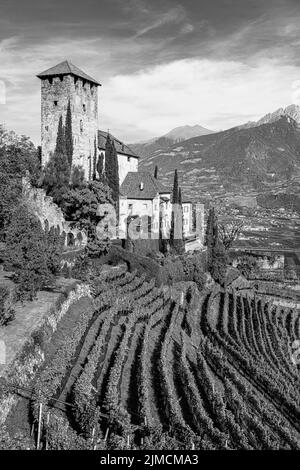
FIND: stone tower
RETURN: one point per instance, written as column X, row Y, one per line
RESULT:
column 60, row 84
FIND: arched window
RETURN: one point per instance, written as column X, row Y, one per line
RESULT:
column 79, row 238
column 70, row 239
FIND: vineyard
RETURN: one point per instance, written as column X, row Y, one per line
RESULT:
column 165, row 368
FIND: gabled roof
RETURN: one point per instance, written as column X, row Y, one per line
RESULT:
column 131, row 186
column 120, row 146
column 66, row 68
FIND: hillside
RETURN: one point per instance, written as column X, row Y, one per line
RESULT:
column 246, row 160
column 175, row 135
column 159, row 369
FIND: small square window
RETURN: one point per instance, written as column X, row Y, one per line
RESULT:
column 55, row 103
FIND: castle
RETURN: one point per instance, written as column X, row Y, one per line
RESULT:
column 140, row 193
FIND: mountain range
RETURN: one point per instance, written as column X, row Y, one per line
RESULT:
column 175, row 135
column 250, row 159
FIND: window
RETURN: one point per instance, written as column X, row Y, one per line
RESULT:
column 128, row 158
column 47, row 128
column 185, row 221
column 81, row 125
column 130, row 207
column 145, row 206
column 186, row 209
column 84, row 107
column 55, row 103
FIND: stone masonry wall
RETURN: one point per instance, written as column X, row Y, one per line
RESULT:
column 55, row 95
column 50, row 214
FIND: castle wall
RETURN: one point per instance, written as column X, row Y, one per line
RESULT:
column 55, row 95
column 51, row 215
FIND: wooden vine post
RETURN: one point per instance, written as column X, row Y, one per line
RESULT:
column 39, row 426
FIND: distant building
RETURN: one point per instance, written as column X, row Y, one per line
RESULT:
column 187, row 215
column 141, row 195
column 128, row 160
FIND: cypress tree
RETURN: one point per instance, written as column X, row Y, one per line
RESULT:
column 156, row 172
column 175, row 189
column 69, row 135
column 176, row 221
column 60, row 138
column 216, row 258
column 112, row 170
column 100, row 165
column 57, row 176
column 95, row 160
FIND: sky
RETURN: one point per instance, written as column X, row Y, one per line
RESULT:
column 161, row 63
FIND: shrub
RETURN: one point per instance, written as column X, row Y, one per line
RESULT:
column 7, row 313
column 247, row 265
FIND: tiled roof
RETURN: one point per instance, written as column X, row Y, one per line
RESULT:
column 66, row 68
column 120, row 146
column 131, row 186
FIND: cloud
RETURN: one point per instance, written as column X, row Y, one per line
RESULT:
column 215, row 94
column 174, row 15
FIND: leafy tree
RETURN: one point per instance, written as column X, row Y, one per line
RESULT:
column 26, row 253
column 156, row 172
column 228, row 233
column 112, row 171
column 247, row 265
column 18, row 158
column 77, row 177
column 54, row 249
column 69, row 135
column 81, row 207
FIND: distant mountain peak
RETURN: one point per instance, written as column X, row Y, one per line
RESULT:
column 187, row 132
column 293, row 111
column 178, row 134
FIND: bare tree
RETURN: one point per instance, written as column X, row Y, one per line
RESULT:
column 228, row 233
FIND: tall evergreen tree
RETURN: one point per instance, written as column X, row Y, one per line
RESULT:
column 175, row 189
column 216, row 258
column 100, row 165
column 57, row 176
column 112, row 170
column 156, row 172
column 176, row 241
column 179, row 196
column 60, row 138
column 95, row 160
column 69, row 135
column 211, row 234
